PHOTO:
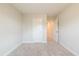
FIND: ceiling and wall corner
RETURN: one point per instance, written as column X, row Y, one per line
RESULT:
column 51, row 9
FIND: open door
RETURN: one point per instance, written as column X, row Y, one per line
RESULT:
column 56, row 30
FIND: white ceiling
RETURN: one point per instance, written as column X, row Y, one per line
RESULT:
column 43, row 8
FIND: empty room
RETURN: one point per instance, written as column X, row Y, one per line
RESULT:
column 39, row 29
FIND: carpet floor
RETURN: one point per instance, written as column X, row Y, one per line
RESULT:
column 41, row 49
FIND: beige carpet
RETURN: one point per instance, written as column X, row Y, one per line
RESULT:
column 40, row 49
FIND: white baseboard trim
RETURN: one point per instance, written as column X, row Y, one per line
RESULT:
column 73, row 52
column 34, row 42
column 7, row 53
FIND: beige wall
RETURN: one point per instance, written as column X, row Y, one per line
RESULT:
column 10, row 28
column 69, row 28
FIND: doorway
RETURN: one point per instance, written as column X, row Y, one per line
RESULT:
column 52, row 29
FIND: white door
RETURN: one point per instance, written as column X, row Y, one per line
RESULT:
column 56, row 29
